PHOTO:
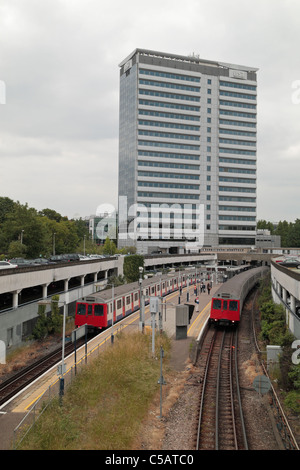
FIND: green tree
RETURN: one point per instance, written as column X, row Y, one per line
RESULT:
column 40, row 330
column 48, row 324
column 282, row 230
column 109, row 247
column 56, row 319
column 23, row 223
column 6, row 206
column 51, row 214
column 131, row 267
column 294, row 234
column 264, row 225
column 17, row 249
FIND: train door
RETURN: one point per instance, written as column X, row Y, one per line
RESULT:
column 123, row 304
column 225, row 308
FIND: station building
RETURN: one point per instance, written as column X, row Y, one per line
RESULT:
column 285, row 283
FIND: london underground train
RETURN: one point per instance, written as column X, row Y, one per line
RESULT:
column 227, row 303
column 95, row 309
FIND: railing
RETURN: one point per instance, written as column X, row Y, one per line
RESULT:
column 53, row 391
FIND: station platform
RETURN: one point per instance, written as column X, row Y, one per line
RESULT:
column 12, row 413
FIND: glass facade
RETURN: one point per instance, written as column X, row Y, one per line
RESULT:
column 188, row 132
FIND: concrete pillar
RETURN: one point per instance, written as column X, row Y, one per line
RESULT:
column 45, row 290
column 284, row 297
column 82, row 280
column 95, row 277
column 278, row 288
column 15, row 294
column 293, row 304
column 66, row 285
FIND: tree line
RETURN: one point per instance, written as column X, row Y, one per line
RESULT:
column 288, row 231
column 28, row 233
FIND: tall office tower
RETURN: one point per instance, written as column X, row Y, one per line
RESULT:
column 187, row 153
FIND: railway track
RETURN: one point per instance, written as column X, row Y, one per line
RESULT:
column 24, row 377
column 220, row 421
column 286, row 434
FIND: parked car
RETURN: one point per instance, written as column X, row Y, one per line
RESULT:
column 57, row 259
column 72, row 257
column 290, row 263
column 20, row 262
column 42, row 261
column 7, row 265
column 66, row 258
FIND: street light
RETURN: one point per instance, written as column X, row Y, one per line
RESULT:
column 112, row 317
column 141, row 324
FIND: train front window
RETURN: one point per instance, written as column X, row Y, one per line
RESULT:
column 81, row 309
column 98, row 310
column 90, row 309
column 217, row 304
column 233, row 305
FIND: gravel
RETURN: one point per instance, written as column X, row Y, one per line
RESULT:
column 176, row 429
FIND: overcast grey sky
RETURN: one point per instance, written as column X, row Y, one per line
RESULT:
column 59, row 62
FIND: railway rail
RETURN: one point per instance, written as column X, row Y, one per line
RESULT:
column 220, row 422
column 24, row 377
column 286, row 434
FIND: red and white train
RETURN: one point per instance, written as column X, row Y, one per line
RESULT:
column 227, row 303
column 95, row 310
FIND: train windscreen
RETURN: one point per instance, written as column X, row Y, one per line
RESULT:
column 217, row 304
column 81, row 309
column 233, row 305
column 98, row 310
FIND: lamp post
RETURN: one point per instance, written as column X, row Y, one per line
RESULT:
column 141, row 324
column 112, row 314
column 112, row 317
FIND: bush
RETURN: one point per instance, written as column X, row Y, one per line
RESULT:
column 131, row 267
column 47, row 325
column 292, row 401
column 273, row 326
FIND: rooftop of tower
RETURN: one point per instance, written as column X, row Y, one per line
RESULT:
column 193, row 58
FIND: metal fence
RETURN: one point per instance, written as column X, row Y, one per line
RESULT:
column 54, row 390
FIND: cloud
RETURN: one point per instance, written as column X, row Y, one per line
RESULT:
column 59, row 62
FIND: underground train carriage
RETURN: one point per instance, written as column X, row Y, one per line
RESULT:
column 96, row 309
column 227, row 303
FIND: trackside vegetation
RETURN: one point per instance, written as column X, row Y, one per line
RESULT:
column 104, row 407
column 275, row 331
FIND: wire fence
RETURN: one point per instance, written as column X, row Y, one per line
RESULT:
column 55, row 389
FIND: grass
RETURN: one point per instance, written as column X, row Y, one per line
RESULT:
column 105, row 406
